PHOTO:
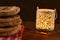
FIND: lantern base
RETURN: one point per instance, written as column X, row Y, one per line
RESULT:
column 43, row 32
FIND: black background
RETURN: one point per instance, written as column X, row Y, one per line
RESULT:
column 28, row 7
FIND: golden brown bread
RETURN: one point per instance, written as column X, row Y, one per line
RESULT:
column 11, row 31
column 10, row 21
column 9, row 10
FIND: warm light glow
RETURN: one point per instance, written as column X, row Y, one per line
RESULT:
column 43, row 33
column 45, row 19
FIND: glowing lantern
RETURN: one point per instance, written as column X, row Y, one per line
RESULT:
column 45, row 19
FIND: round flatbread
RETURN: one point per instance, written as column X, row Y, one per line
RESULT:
column 10, row 21
column 10, row 31
column 9, row 10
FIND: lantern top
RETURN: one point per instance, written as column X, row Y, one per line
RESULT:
column 45, row 10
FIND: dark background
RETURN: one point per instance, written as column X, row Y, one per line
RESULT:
column 28, row 7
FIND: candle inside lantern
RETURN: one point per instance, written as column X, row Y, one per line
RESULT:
column 45, row 19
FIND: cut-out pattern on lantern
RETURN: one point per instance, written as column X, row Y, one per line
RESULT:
column 45, row 19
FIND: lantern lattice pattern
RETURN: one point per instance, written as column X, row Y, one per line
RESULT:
column 45, row 20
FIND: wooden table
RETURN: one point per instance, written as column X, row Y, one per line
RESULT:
column 30, row 33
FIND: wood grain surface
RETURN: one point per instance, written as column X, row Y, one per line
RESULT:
column 30, row 33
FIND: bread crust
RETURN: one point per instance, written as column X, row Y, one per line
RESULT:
column 11, row 31
column 9, row 10
column 10, row 21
